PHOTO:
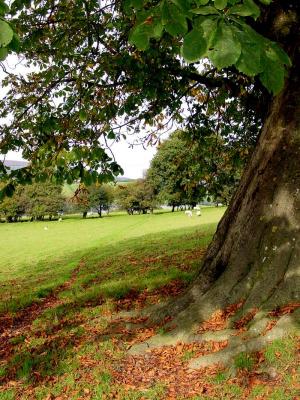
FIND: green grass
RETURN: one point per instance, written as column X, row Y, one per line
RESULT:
column 34, row 261
column 280, row 352
column 244, row 361
column 71, row 347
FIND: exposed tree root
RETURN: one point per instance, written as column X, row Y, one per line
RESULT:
column 262, row 329
column 248, row 342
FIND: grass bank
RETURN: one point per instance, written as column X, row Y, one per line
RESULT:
column 37, row 257
column 86, row 282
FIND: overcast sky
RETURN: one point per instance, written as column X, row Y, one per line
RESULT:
column 134, row 161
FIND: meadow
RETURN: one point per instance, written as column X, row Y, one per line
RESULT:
column 36, row 257
column 70, row 298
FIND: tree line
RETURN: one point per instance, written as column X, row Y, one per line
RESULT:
column 180, row 175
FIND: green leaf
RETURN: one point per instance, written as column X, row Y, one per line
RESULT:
column 138, row 4
column 141, row 34
column 3, row 53
column 208, row 25
column 194, row 46
column 249, row 62
column 182, row 4
column 157, row 29
column 174, row 19
column 247, row 9
column 276, row 54
column 266, row 2
column 15, row 43
column 220, row 4
column 18, row 5
column 273, row 76
column 111, row 135
column 3, row 8
column 225, row 47
column 202, row 2
column 82, row 115
column 6, row 33
column 139, row 37
column 274, row 61
column 206, row 10
column 165, row 14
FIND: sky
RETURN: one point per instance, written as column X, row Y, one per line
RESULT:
column 134, row 161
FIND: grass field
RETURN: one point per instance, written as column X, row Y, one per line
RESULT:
column 34, row 260
column 69, row 295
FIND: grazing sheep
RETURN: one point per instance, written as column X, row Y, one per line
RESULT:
column 198, row 213
column 60, row 219
column 188, row 213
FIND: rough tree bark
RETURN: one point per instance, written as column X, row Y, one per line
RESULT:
column 255, row 253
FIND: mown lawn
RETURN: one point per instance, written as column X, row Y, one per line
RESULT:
column 84, row 283
column 37, row 257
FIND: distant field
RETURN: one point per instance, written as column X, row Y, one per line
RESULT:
column 38, row 256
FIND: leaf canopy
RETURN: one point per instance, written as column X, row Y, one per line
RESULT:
column 231, row 42
column 102, row 72
column 9, row 39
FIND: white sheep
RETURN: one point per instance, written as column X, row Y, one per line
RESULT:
column 188, row 213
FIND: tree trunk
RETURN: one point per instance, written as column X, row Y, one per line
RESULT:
column 254, row 258
column 255, row 253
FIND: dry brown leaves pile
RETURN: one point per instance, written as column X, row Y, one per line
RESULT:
column 279, row 312
column 180, row 259
column 136, row 299
column 287, row 309
column 219, row 318
column 13, row 326
column 243, row 322
column 169, row 366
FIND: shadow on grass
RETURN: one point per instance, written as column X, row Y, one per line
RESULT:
column 111, row 278
column 20, row 293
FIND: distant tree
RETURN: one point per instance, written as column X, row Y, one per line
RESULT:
column 170, row 173
column 11, row 208
column 100, row 197
column 41, row 199
column 224, row 195
column 97, row 197
column 185, row 170
column 80, row 201
column 137, row 197
column 36, row 201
